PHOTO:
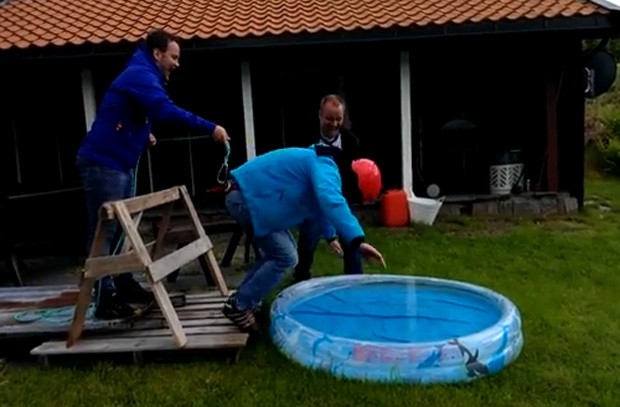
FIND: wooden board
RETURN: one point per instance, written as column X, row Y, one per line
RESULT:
column 48, row 310
column 37, row 296
column 201, row 318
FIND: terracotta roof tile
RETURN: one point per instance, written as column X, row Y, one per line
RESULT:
column 25, row 23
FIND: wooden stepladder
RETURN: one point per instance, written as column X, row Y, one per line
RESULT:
column 136, row 256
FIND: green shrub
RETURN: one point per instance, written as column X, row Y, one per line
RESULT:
column 605, row 155
column 602, row 132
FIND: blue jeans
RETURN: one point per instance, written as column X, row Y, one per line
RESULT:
column 277, row 254
column 103, row 184
column 309, row 237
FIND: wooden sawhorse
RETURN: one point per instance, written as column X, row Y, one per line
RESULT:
column 135, row 255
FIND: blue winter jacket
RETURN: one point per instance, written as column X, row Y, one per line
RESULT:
column 284, row 187
column 132, row 103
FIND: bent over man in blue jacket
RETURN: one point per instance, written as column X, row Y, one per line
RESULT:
column 273, row 193
column 111, row 150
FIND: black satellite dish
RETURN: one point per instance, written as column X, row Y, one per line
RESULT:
column 600, row 73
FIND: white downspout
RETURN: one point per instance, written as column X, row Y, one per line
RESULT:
column 248, row 110
column 405, row 123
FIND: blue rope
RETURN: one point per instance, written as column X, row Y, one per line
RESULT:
column 222, row 174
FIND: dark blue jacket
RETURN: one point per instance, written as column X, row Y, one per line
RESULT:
column 132, row 103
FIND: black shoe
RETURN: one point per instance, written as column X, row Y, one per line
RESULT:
column 130, row 291
column 244, row 320
column 111, row 307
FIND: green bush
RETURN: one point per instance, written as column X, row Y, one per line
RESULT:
column 604, row 155
column 602, row 132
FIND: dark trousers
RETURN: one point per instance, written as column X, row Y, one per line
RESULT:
column 309, row 237
column 102, row 184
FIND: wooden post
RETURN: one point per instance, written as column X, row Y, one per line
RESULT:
column 552, row 132
column 405, row 123
column 135, row 256
column 248, row 110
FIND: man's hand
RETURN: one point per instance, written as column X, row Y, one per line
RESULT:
column 369, row 252
column 335, row 245
column 220, row 135
column 152, row 140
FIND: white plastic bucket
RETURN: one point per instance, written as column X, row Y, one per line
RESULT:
column 424, row 210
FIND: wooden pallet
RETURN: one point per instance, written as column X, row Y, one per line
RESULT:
column 203, row 323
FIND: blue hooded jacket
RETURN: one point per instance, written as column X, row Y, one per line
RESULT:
column 284, row 187
column 133, row 101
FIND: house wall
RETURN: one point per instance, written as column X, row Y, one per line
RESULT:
column 287, row 95
column 568, row 73
column 499, row 83
column 40, row 129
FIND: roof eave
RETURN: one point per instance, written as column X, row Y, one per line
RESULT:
column 593, row 26
column 586, row 26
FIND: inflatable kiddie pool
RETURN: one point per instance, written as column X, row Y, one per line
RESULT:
column 396, row 328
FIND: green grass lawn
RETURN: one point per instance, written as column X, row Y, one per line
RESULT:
column 563, row 275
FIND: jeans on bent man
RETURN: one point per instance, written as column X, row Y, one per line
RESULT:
column 103, row 184
column 309, row 237
column 277, row 254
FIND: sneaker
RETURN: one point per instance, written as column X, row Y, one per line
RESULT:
column 244, row 320
column 111, row 307
column 132, row 292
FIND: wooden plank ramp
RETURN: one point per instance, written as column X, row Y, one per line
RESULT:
column 38, row 296
column 201, row 318
column 47, row 310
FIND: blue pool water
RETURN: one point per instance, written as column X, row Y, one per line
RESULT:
column 396, row 312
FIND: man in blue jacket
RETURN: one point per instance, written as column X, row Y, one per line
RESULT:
column 273, row 193
column 110, row 152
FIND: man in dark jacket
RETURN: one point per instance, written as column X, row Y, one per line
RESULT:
column 111, row 150
column 345, row 147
